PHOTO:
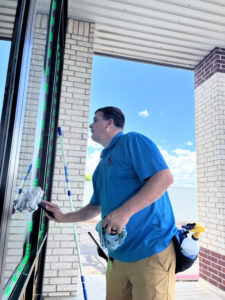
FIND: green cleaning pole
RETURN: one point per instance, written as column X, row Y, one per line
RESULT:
column 71, row 207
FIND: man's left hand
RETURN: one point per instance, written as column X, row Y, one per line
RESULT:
column 115, row 221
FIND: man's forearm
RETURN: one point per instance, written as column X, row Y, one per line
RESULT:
column 85, row 213
column 152, row 190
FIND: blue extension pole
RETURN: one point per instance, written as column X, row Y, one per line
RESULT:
column 23, row 182
column 71, row 207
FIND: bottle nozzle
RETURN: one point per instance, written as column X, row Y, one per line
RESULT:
column 198, row 228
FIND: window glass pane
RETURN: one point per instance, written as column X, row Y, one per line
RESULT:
column 30, row 110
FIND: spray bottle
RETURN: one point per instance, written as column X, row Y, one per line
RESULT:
column 190, row 245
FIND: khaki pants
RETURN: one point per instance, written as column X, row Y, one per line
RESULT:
column 152, row 278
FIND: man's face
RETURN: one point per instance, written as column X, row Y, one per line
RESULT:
column 98, row 128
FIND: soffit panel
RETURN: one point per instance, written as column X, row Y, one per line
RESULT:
column 174, row 32
column 7, row 18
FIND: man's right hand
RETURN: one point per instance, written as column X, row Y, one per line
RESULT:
column 54, row 208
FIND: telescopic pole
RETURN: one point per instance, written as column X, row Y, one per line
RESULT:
column 23, row 182
column 71, row 207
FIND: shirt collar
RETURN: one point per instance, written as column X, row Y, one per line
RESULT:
column 111, row 144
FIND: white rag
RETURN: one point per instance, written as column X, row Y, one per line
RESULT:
column 29, row 200
column 110, row 241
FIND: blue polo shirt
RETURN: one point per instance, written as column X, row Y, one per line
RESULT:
column 128, row 161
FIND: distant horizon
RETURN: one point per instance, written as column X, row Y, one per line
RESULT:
column 183, row 200
column 172, row 185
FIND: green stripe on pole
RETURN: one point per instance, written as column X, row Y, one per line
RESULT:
column 38, row 163
column 52, row 21
column 42, row 229
column 8, row 290
column 25, row 259
column 35, row 182
column 40, row 143
column 30, row 228
column 20, row 269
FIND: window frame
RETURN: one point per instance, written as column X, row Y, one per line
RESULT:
column 28, row 283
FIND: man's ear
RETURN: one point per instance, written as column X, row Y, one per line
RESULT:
column 110, row 122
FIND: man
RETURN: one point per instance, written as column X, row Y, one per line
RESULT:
column 130, row 184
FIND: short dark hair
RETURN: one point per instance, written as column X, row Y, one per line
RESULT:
column 111, row 112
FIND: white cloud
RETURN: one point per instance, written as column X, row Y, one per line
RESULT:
column 182, row 164
column 92, row 157
column 92, row 160
column 93, row 144
column 143, row 113
column 189, row 143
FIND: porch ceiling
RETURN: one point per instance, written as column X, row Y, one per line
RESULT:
column 7, row 18
column 170, row 32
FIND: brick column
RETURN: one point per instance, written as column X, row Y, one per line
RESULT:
column 61, row 269
column 210, row 149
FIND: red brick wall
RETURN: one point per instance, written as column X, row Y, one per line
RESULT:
column 212, row 63
column 212, row 267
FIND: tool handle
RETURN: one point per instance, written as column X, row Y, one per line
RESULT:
column 94, row 240
column 84, row 288
column 99, row 249
column 43, row 206
column 60, row 131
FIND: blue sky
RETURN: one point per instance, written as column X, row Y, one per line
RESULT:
column 167, row 94
column 157, row 102
column 4, row 57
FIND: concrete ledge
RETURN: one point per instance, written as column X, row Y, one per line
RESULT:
column 215, row 290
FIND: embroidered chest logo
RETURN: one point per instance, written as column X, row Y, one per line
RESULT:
column 110, row 161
